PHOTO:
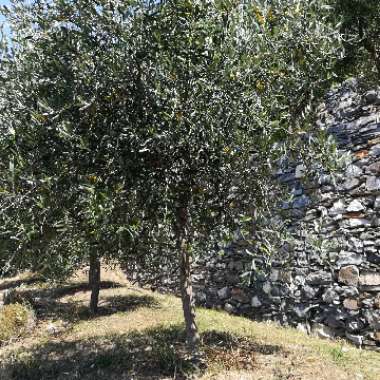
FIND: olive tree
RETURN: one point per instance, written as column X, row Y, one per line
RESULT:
column 67, row 79
column 233, row 87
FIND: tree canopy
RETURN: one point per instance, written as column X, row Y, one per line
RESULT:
column 149, row 131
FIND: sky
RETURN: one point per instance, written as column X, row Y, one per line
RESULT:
column 4, row 2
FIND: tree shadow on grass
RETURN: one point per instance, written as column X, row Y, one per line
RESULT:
column 48, row 303
column 11, row 284
column 74, row 311
column 35, row 294
column 156, row 353
column 66, row 290
column 127, row 303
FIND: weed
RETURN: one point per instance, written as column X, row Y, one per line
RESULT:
column 337, row 354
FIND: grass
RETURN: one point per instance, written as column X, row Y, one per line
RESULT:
column 139, row 335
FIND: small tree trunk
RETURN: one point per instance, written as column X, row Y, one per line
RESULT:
column 94, row 281
column 192, row 336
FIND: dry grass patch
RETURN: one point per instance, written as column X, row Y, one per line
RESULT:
column 15, row 321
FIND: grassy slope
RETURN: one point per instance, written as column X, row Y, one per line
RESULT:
column 139, row 335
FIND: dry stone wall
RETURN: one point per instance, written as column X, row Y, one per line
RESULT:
column 333, row 292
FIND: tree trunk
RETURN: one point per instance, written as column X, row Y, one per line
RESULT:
column 94, row 281
column 192, row 336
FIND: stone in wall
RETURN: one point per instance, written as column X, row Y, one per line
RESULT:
column 349, row 275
